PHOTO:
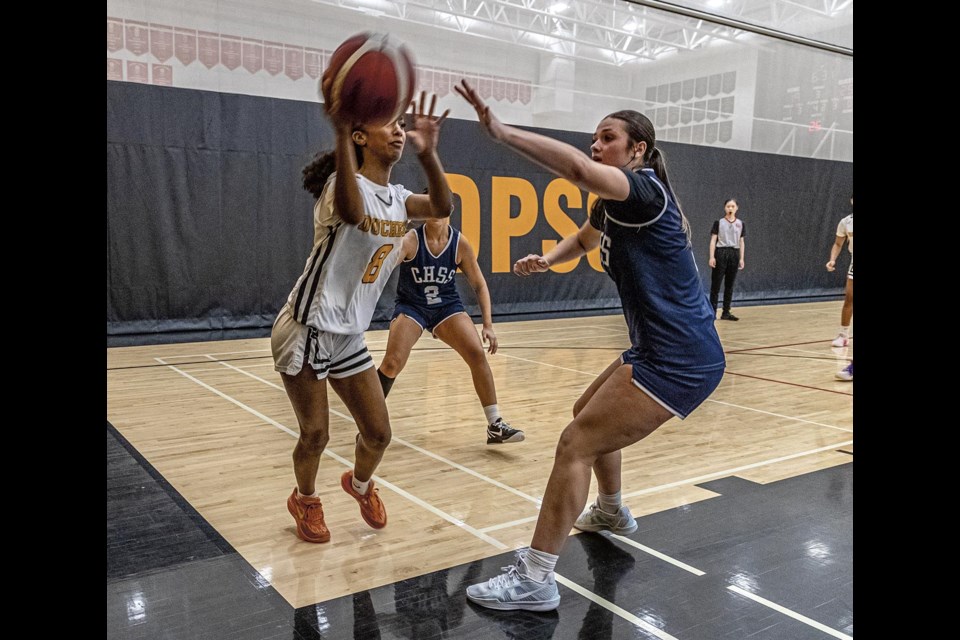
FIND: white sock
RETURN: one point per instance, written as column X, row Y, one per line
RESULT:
column 845, row 331
column 609, row 503
column 315, row 494
column 537, row 565
column 492, row 411
column 360, row 487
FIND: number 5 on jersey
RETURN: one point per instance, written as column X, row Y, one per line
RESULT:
column 605, row 250
column 373, row 267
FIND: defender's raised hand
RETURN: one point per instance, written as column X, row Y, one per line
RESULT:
column 491, row 124
column 423, row 128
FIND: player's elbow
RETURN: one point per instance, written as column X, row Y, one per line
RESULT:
column 577, row 172
column 351, row 217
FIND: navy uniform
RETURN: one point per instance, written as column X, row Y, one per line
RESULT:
column 426, row 291
column 676, row 353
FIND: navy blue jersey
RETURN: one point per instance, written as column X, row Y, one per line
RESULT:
column 645, row 250
column 428, row 280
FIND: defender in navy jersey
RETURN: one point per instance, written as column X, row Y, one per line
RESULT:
column 426, row 289
column 427, row 298
column 359, row 226
column 675, row 359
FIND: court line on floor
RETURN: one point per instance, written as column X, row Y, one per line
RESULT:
column 537, row 501
column 792, row 384
column 729, row 404
column 505, row 332
column 693, row 481
column 203, row 355
column 788, row 345
column 657, row 554
column 327, row 452
column 481, row 534
column 751, row 351
column 787, row 612
column 825, row 312
column 403, row 442
column 623, row 613
column 780, row 415
column 626, row 615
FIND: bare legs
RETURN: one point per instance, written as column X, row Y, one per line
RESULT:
column 459, row 332
column 309, row 399
column 846, row 314
column 404, row 333
column 612, row 414
column 364, row 399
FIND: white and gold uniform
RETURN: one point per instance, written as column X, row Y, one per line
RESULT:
column 334, row 298
column 845, row 229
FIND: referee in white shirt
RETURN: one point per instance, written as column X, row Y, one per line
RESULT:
column 726, row 256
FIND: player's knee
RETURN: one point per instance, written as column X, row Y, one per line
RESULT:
column 392, row 365
column 571, row 447
column 578, row 406
column 377, row 439
column 475, row 357
column 314, row 441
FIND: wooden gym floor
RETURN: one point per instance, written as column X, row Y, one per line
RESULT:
column 745, row 507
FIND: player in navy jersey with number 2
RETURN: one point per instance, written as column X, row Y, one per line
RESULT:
column 427, row 298
column 675, row 359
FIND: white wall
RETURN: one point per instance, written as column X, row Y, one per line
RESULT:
column 540, row 90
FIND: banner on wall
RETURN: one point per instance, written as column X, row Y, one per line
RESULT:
column 208, row 227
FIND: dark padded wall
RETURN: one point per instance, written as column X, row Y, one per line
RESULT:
column 208, row 228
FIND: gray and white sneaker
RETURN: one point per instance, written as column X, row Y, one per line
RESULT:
column 593, row 519
column 500, row 432
column 512, row 590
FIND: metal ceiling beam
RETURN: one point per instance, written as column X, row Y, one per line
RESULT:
column 743, row 26
column 610, row 32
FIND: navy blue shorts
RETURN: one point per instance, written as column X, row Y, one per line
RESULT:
column 680, row 391
column 428, row 317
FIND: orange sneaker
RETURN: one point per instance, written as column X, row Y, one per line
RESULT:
column 371, row 506
column 308, row 512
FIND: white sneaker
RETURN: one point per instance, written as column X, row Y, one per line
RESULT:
column 846, row 373
column 512, row 590
column 840, row 340
column 593, row 519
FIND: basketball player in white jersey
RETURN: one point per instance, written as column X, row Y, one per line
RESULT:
column 844, row 234
column 359, row 225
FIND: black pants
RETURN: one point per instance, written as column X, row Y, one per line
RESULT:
column 728, row 263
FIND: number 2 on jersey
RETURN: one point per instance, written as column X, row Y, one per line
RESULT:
column 373, row 267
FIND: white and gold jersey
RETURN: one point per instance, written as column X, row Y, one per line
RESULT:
column 350, row 264
column 845, row 228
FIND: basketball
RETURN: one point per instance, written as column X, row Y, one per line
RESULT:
column 373, row 79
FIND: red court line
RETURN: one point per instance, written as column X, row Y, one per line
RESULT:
column 792, row 384
column 777, row 346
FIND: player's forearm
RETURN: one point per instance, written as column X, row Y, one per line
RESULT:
column 570, row 248
column 486, row 307
column 346, row 193
column 441, row 198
